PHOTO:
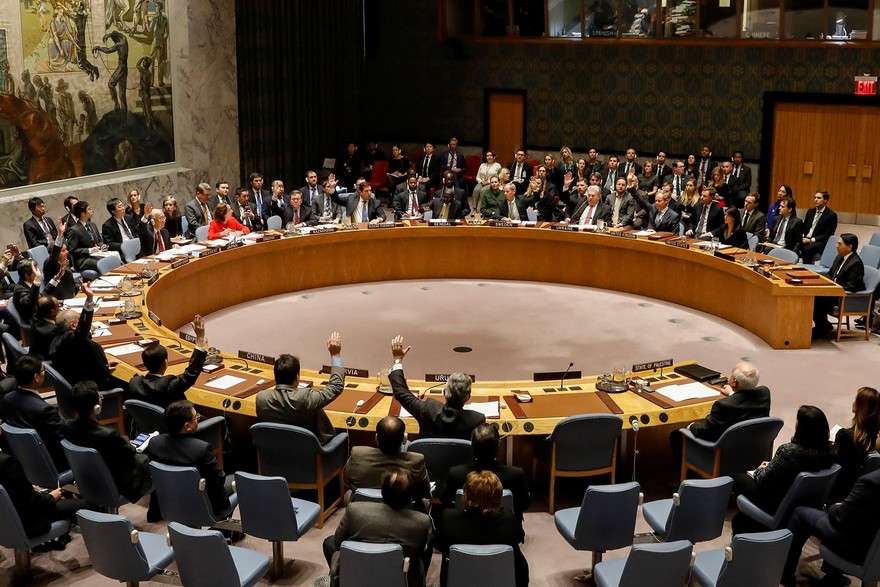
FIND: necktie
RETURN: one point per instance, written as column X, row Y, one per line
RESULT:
column 702, row 170
column 512, row 210
column 296, row 215
column 313, row 194
column 125, row 230
column 365, row 214
column 677, row 184
column 160, row 244
column 415, row 203
column 258, row 196
column 746, row 219
column 205, row 213
column 425, row 166
column 46, row 228
column 518, row 172
column 727, row 179
column 736, row 171
column 589, row 217
column 245, row 220
column 704, row 217
column 615, row 217
column 815, row 222
column 91, row 233
column 444, row 212
column 657, row 219
column 780, row 236
column 326, row 206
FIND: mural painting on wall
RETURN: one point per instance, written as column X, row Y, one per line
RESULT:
column 85, row 88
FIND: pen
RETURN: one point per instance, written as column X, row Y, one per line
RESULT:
column 213, row 378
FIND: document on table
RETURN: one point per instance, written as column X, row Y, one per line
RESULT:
column 99, row 332
column 488, row 409
column 686, row 391
column 125, row 349
column 404, row 413
column 225, row 382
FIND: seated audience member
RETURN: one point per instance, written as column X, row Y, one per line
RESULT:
column 288, row 403
column 27, row 290
column 820, row 223
column 546, row 203
column 577, row 193
column 855, row 443
column 39, row 228
column 623, row 205
column 392, row 521
column 482, row 522
column 782, row 192
column 83, row 238
column 58, row 266
column 591, row 208
column 244, row 211
column 436, row 419
column 847, row 528
column 734, row 234
column 9, row 262
column 745, row 400
column 119, row 227
column 398, row 167
column 159, row 389
column 412, row 200
column 224, row 223
column 707, row 219
column 173, row 217
column 297, row 213
column 129, row 468
column 361, row 206
column 323, row 206
column 69, row 219
column 152, row 233
column 311, row 189
column 485, row 442
column 787, row 230
column 490, row 198
column 809, row 451
column 446, row 207
column 754, row 220
column 847, row 271
column 490, row 168
column 367, row 465
column 512, row 207
column 43, row 327
column 179, row 448
column 24, row 408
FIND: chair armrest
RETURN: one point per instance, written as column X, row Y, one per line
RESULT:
column 111, row 392
column 338, row 441
column 754, row 512
column 699, row 441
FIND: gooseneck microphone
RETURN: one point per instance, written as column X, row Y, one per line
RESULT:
column 562, row 381
column 634, row 422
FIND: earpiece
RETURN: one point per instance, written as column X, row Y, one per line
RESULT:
column 97, row 410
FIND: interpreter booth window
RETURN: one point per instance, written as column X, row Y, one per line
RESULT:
column 718, row 19
column 460, row 18
column 600, row 19
column 565, row 18
column 848, row 20
column 760, row 19
column 680, row 19
column 638, row 19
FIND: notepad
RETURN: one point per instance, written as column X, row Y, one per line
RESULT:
column 125, row 349
column 686, row 391
column 488, row 409
column 225, row 382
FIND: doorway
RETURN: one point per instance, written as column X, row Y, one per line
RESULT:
column 505, row 122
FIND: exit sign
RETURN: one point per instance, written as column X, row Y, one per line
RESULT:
column 866, row 85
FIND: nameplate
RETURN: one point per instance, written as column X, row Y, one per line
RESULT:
column 152, row 316
column 621, row 234
column 381, row 225
column 249, row 356
column 270, row 237
column 443, row 377
column 153, row 279
column 180, row 263
column 475, row 223
column 208, row 252
column 442, row 222
column 502, row 224
column 565, row 227
column 679, row 244
column 348, row 371
column 322, row 230
column 234, row 245
column 187, row 337
column 652, row 365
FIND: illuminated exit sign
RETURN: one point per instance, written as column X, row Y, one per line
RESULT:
column 866, row 85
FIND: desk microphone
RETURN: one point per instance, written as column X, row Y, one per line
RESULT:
column 634, row 422
column 425, row 392
column 562, row 381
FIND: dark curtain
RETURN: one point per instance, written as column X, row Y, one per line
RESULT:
column 300, row 76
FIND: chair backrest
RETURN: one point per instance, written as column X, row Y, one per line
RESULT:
column 586, row 442
column 786, row 255
column 875, row 239
column 607, row 519
column 506, row 500
column 441, row 454
column 12, row 533
column 62, row 391
column 829, row 253
column 113, row 546
column 757, row 559
column 745, row 445
column 753, row 241
column 13, row 347
column 659, row 565
column 39, row 254
column 265, row 507
column 809, row 489
column 701, row 509
column 363, row 564
column 130, row 250
column 871, row 464
column 202, row 233
column 870, row 255
column 15, row 318
column 147, row 417
column 273, row 222
column 108, row 264
column 28, row 449
column 872, row 279
column 181, row 495
column 473, row 163
column 379, row 174
column 184, row 225
column 276, row 446
column 192, row 548
column 489, row 564
column 93, row 478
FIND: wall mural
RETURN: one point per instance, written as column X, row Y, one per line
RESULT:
column 85, row 88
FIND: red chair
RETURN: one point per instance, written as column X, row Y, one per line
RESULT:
column 379, row 176
column 472, row 162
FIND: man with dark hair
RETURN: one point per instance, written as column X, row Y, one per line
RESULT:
column 260, row 198
column 160, row 389
column 119, row 227
column 288, row 403
column 520, row 172
column 820, row 223
column 412, row 200
column 39, row 228
column 485, row 442
column 787, row 231
column 43, row 327
column 367, row 465
column 221, row 190
column 436, row 419
column 847, row 271
column 753, row 220
column 707, row 220
column 197, row 211
column 23, row 407
column 362, row 206
column 391, row 521
column 27, row 290
column 323, row 206
column 311, row 190
column 69, row 202
column 740, row 181
column 297, row 213
column 179, row 448
column 83, row 238
column 244, row 211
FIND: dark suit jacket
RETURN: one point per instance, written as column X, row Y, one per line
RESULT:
column 623, row 170
column 756, row 224
column 374, row 207
column 851, row 276
column 307, row 193
column 602, row 211
column 318, row 206
column 77, row 357
column 194, row 216
column 181, row 450
column 162, row 390
column 78, row 244
column 503, row 210
column 455, row 210
column 619, row 173
column 42, row 334
column 147, row 236
column 826, row 226
column 255, row 223
column 512, row 478
column 668, row 223
column 737, row 407
column 112, row 234
column 26, row 409
column 794, row 232
column 526, row 175
column 129, row 468
column 403, row 200
column 627, row 211
column 34, row 235
column 433, row 170
column 459, row 161
column 266, row 198
column 367, row 465
column 742, row 183
column 714, row 222
column 305, row 215
column 854, row 522
column 34, row 508
column 436, row 419
column 25, row 298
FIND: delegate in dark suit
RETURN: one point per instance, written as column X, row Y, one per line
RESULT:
column 714, row 220
column 794, row 232
column 367, row 465
column 111, row 232
column 80, row 242
column 318, row 206
column 25, row 298
column 43, row 332
column 35, row 235
column 252, row 223
column 626, row 211
column 195, row 217
column 430, row 168
column 503, row 210
column 849, row 272
column 262, row 202
column 436, row 419
column 602, row 211
column 24, row 408
column 77, row 357
column 666, row 221
column 305, row 215
column 455, row 210
column 403, row 201
column 161, row 390
column 525, row 173
column 744, row 404
column 147, row 236
column 826, row 226
column 755, row 223
column 374, row 207
column 512, row 478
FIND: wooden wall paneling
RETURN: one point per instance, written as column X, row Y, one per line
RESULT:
column 869, row 156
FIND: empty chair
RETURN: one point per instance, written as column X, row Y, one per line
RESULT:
column 441, row 454
column 182, row 498
column 108, row 264
column 753, row 241
column 130, row 250
column 829, row 253
column 201, row 233
column 28, row 449
column 473, row 564
column 13, row 347
column 39, row 254
column 506, row 500
column 184, row 225
column 695, row 513
column 870, row 255
column 120, row 552
column 755, row 560
column 875, row 239
column 296, row 454
column 363, row 564
column 859, row 303
column 274, row 222
column 151, row 418
column 583, row 446
column 17, row 326
column 657, row 565
column 12, row 535
column 742, row 447
column 267, row 511
column 93, row 478
column 786, row 255
column 229, row 565
column 871, row 464
column 868, row 571
column 810, row 489
column 111, row 411
column 605, row 520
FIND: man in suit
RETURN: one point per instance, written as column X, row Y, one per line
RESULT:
column 849, row 272
column 662, row 169
column 629, row 163
column 368, row 465
column 787, row 228
column 39, row 228
column 197, row 211
column 612, row 174
column 705, row 165
column 178, row 448
column 458, row 194
column 429, row 168
column 119, row 227
column 754, row 220
column 661, row 217
column 323, row 206
column 847, row 528
column 69, row 219
column 707, row 221
column 260, row 198
column 485, row 442
column 24, row 408
column 311, row 190
column 391, row 521
column 622, row 204
column 412, row 200
column 160, row 389
column 297, row 212
column 447, row 207
column 349, row 165
column 43, row 327
column 221, row 195
column 244, row 211
column 152, row 233
column 678, row 178
column 288, row 403
column 27, row 290
column 436, row 419
column 453, row 161
column 820, row 224
column 512, row 207
column 362, row 206
column 128, row 468
column 279, row 200
column 520, row 172
column 591, row 208
column 83, row 238
column 741, row 180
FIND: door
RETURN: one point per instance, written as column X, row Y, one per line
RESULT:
column 505, row 122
